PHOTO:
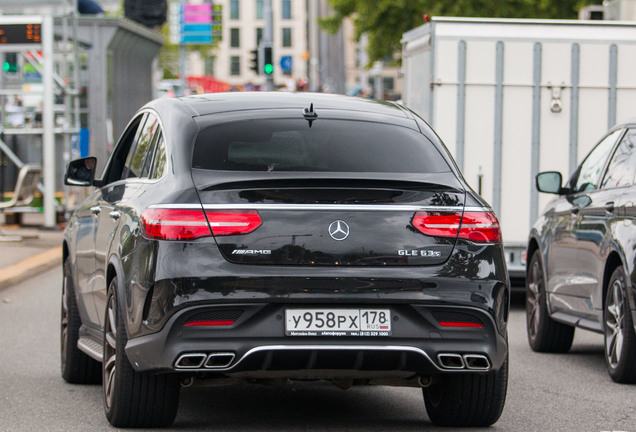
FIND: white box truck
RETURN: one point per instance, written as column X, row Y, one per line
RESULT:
column 511, row 98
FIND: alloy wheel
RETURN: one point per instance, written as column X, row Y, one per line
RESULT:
column 614, row 335
column 110, row 350
column 533, row 309
column 64, row 320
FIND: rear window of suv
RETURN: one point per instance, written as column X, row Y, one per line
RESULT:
column 325, row 146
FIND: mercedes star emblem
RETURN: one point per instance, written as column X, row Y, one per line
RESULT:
column 339, row 230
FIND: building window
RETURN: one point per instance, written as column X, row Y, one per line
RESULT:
column 287, row 37
column 235, row 65
column 235, row 41
column 388, row 83
column 259, row 9
column 208, row 66
column 234, row 9
column 259, row 35
column 286, row 9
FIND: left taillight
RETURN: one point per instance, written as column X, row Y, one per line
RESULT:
column 478, row 227
column 175, row 224
column 188, row 224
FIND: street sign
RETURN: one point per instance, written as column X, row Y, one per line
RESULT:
column 195, row 23
column 19, row 32
column 11, row 34
column 286, row 63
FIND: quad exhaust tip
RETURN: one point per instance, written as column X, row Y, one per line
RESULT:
column 466, row 361
column 216, row 360
column 219, row 360
column 476, row 362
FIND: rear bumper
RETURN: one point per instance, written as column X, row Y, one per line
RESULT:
column 516, row 259
column 255, row 345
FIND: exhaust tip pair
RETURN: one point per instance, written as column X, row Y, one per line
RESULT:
column 216, row 360
column 466, row 361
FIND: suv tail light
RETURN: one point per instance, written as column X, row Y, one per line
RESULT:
column 478, row 227
column 175, row 224
column 233, row 222
column 182, row 224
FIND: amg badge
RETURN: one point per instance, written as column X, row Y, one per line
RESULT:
column 251, row 252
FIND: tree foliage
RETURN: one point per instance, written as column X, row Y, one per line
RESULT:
column 386, row 20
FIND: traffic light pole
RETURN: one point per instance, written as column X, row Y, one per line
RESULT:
column 268, row 39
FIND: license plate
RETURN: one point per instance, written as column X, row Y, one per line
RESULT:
column 338, row 322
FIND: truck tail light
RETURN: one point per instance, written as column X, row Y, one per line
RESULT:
column 478, row 227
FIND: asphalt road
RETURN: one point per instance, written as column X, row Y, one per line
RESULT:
column 569, row 392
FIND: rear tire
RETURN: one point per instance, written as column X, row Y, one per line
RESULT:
column 620, row 340
column 77, row 367
column 132, row 399
column 544, row 334
column 467, row 399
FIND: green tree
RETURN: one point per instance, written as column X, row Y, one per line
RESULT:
column 386, row 20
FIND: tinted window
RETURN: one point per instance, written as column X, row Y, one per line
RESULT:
column 620, row 172
column 136, row 158
column 151, row 152
column 328, row 145
column 160, row 159
column 589, row 173
column 114, row 169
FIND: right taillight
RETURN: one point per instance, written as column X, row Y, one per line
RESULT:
column 233, row 222
column 478, row 227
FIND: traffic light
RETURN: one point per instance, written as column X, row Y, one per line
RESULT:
column 268, row 60
column 254, row 61
column 10, row 64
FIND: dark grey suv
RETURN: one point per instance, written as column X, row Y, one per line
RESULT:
column 582, row 255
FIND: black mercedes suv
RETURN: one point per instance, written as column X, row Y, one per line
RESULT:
column 581, row 258
column 249, row 237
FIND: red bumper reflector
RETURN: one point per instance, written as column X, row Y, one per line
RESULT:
column 459, row 324
column 208, row 323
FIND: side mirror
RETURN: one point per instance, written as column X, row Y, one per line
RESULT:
column 549, row 182
column 81, row 172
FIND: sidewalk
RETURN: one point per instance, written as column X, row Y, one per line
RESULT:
column 38, row 251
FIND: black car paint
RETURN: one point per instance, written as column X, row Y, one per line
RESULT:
column 157, row 287
column 581, row 238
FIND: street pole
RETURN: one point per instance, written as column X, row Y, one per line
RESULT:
column 48, row 135
column 364, row 59
column 182, row 58
column 378, row 83
column 314, row 45
column 268, row 39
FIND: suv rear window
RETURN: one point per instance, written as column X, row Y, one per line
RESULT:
column 327, row 146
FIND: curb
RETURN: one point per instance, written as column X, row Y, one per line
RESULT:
column 29, row 267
